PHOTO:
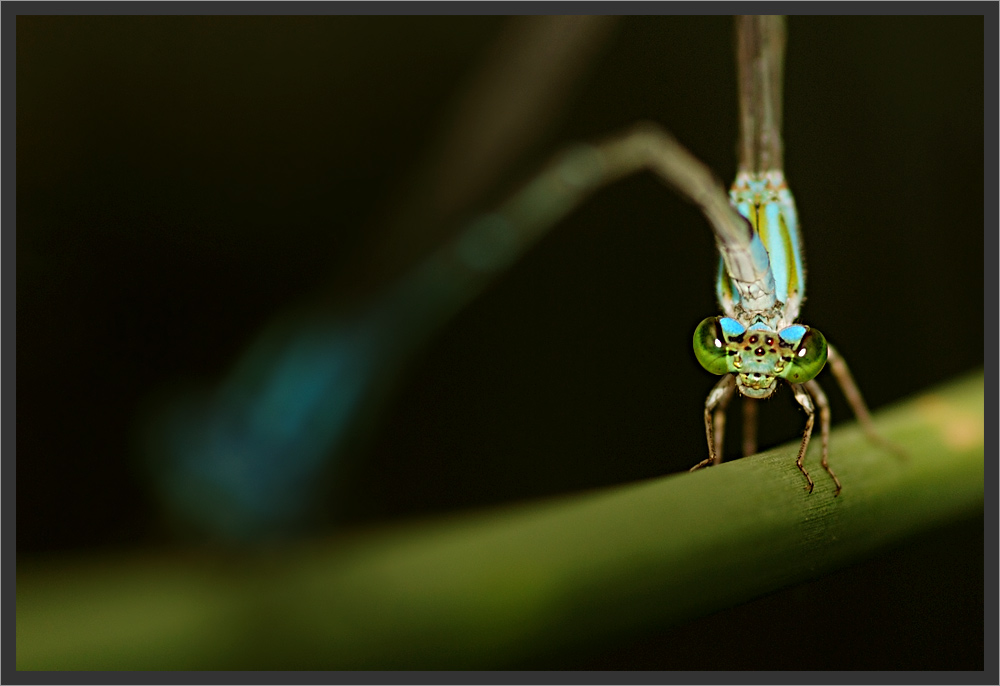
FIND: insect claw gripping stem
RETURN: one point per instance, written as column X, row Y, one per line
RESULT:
column 715, row 419
column 824, row 421
column 803, row 398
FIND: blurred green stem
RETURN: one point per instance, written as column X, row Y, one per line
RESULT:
column 485, row 589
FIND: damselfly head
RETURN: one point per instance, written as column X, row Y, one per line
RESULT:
column 757, row 355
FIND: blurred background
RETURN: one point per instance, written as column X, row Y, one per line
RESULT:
column 185, row 182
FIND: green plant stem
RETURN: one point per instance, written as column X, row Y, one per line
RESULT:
column 485, row 589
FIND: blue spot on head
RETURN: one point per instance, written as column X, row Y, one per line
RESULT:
column 731, row 327
column 793, row 334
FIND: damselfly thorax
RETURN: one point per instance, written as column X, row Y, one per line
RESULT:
column 767, row 203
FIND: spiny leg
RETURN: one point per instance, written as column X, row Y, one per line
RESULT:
column 850, row 390
column 824, row 423
column 749, row 426
column 717, row 401
column 807, row 404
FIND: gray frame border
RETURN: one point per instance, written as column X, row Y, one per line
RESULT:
column 10, row 10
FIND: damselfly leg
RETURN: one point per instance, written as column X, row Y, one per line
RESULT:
column 715, row 419
column 854, row 398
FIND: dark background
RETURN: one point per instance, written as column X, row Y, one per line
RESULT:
column 181, row 180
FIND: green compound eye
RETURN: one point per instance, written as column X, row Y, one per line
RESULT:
column 809, row 356
column 710, row 345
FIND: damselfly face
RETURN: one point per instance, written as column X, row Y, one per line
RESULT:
column 759, row 356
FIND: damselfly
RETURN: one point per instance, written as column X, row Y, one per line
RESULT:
column 312, row 378
column 761, row 281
